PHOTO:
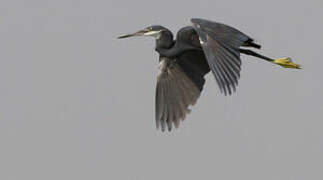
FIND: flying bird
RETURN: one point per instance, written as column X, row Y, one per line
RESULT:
column 183, row 62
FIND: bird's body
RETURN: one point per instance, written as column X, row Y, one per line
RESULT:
column 206, row 46
column 187, row 52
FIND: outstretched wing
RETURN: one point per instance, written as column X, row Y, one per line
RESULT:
column 179, row 84
column 221, row 44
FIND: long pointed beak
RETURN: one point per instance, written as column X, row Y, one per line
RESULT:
column 139, row 33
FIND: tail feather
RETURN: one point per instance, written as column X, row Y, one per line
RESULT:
column 250, row 43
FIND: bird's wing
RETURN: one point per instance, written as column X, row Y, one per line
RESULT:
column 221, row 44
column 178, row 87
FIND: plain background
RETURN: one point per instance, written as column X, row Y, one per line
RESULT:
column 76, row 103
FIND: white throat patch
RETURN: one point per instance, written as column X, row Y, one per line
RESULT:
column 155, row 34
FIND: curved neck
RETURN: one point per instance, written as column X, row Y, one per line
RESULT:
column 164, row 42
column 166, row 46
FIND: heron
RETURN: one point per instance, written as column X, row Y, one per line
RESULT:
column 184, row 61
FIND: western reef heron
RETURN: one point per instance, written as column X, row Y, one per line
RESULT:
column 184, row 62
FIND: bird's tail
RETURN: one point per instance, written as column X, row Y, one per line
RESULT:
column 286, row 63
column 250, row 43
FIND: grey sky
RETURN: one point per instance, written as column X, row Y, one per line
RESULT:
column 76, row 103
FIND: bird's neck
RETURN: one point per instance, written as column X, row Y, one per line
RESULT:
column 168, row 47
column 164, row 43
column 176, row 49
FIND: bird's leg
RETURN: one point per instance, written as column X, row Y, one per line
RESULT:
column 252, row 53
column 284, row 62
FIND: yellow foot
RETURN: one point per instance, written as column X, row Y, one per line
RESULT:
column 286, row 63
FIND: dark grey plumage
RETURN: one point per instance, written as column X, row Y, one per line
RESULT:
column 221, row 47
column 185, row 61
column 175, row 92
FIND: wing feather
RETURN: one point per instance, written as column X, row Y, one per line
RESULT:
column 175, row 92
column 220, row 44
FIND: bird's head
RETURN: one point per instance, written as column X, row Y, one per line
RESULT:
column 154, row 31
